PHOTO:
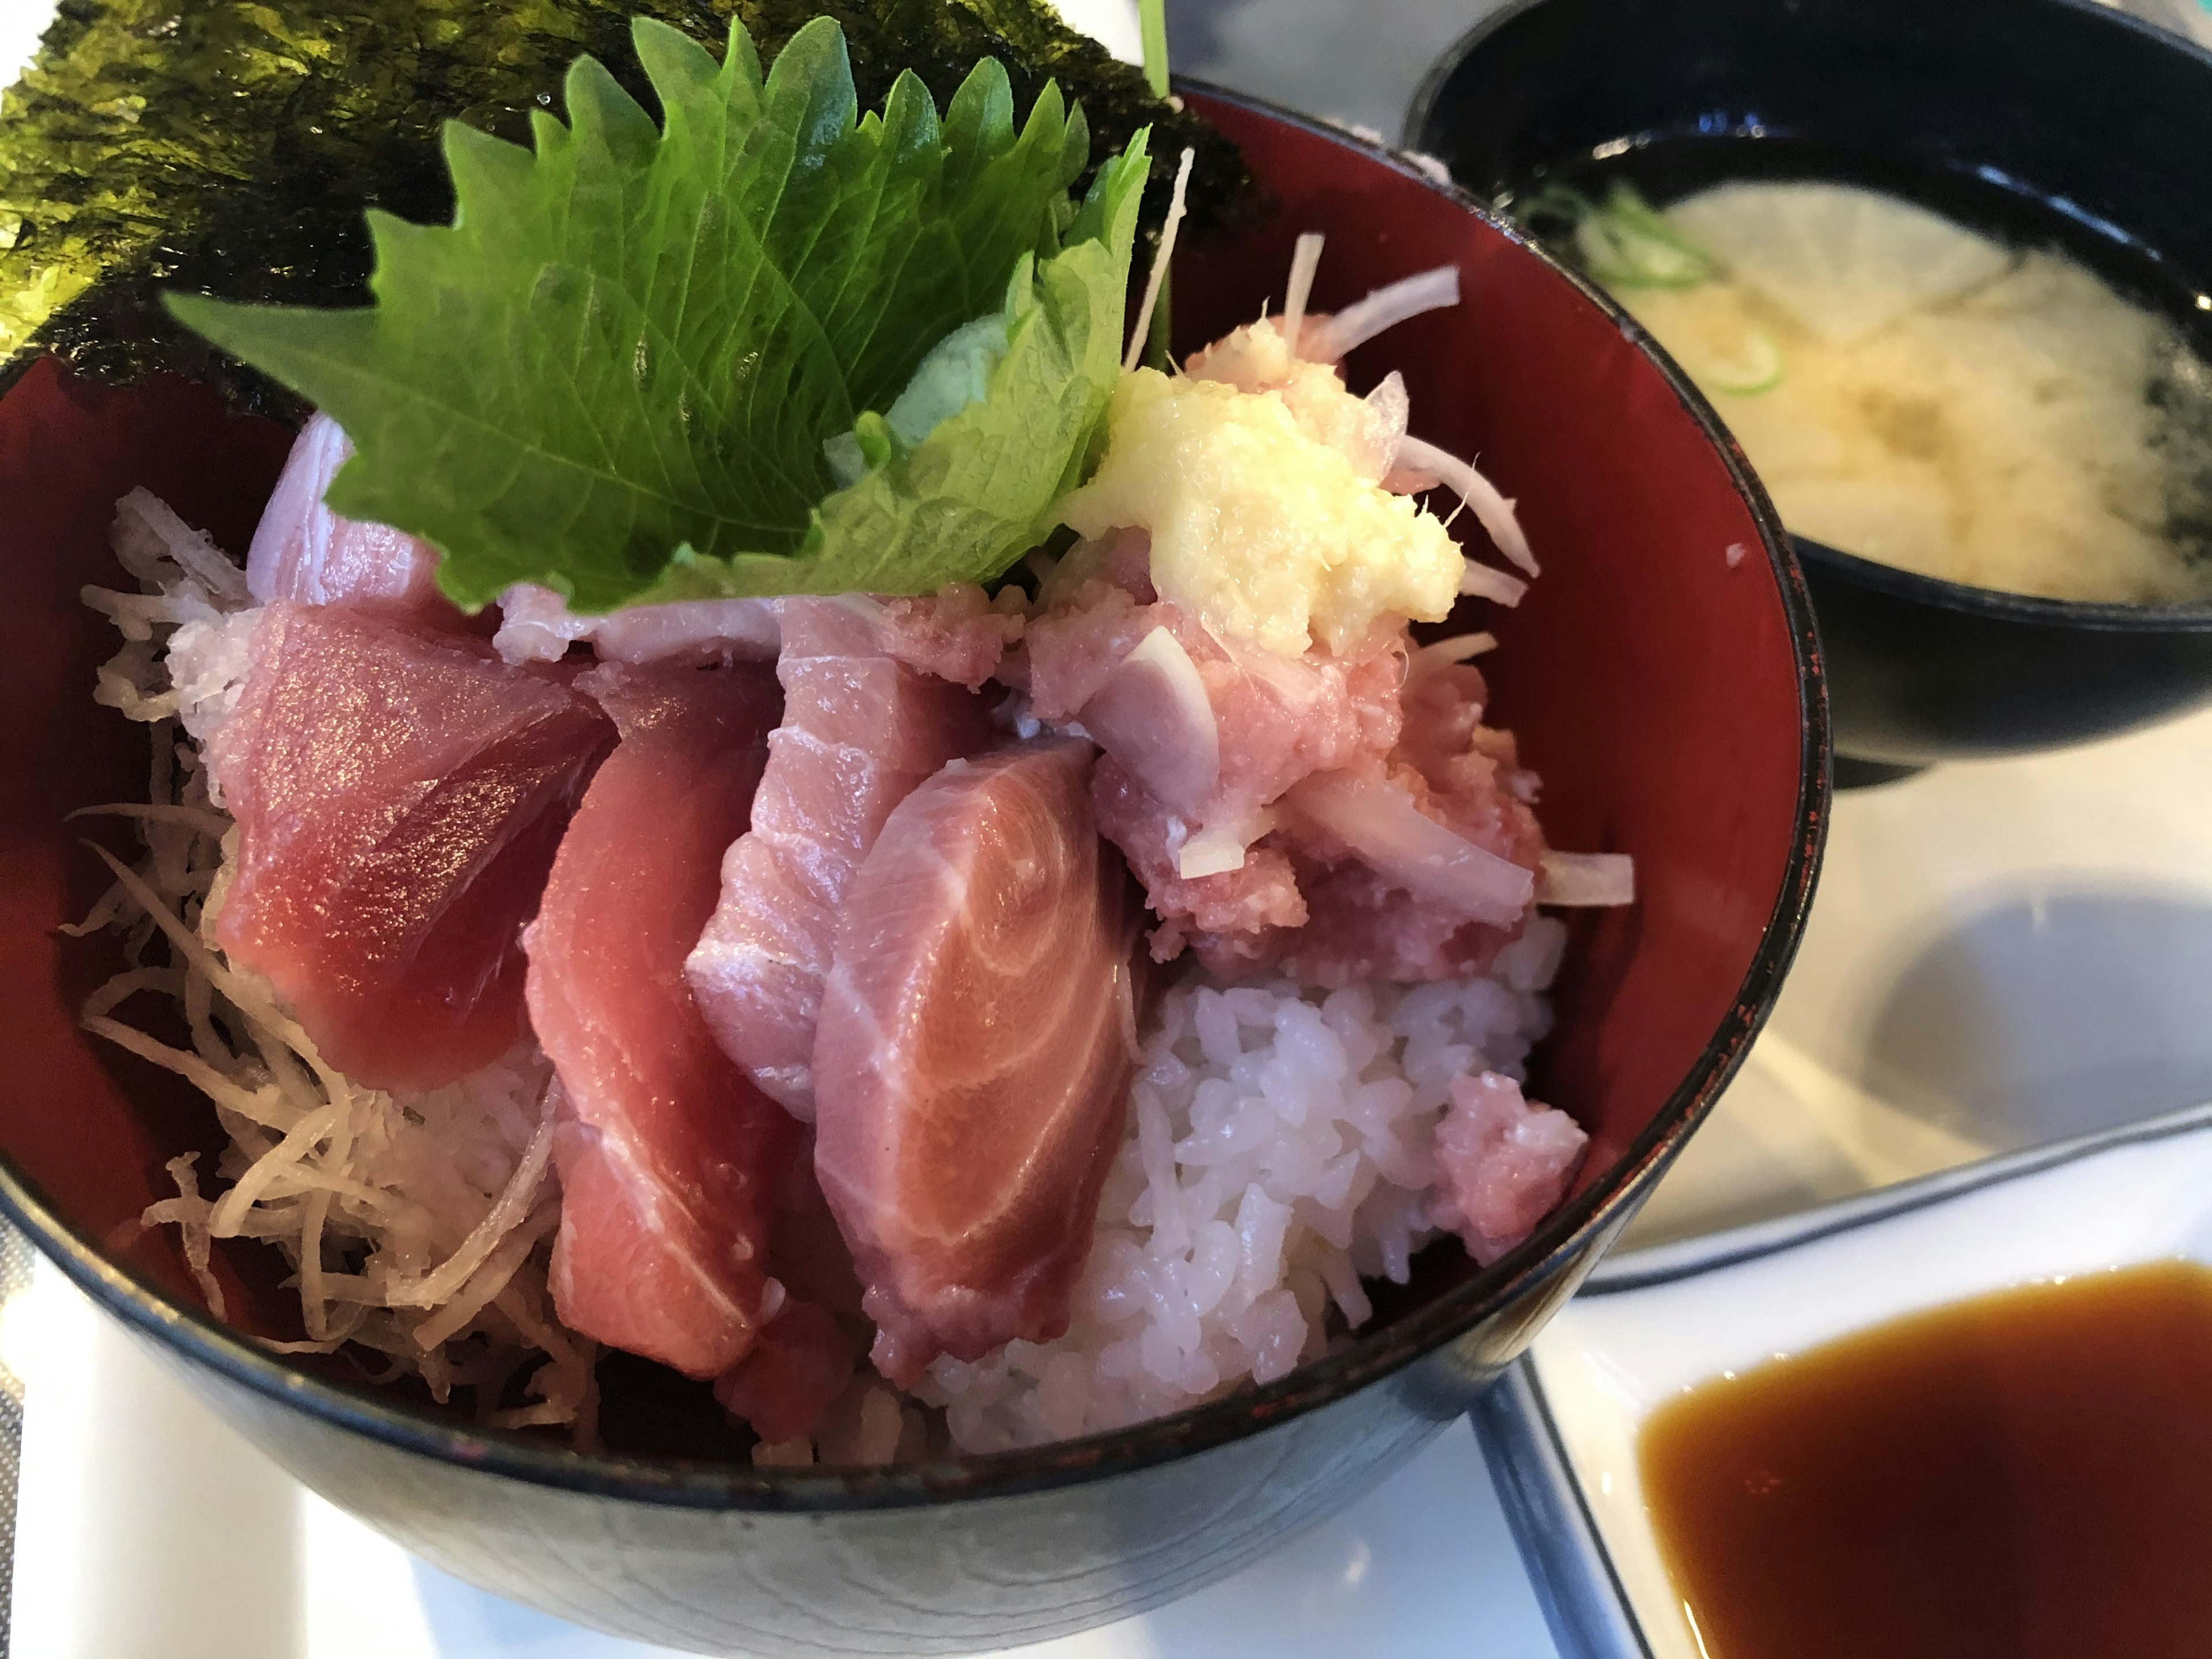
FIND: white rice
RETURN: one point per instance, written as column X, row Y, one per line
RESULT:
column 1278, row 1150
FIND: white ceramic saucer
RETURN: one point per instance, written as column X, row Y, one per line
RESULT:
column 1560, row 1431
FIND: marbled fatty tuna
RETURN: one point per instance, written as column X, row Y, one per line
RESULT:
column 972, row 1055
column 861, row 729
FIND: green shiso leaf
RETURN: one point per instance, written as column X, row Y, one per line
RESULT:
column 616, row 372
column 229, row 146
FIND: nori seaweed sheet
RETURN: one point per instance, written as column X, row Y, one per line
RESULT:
column 230, row 146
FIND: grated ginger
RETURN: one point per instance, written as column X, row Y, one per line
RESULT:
column 1260, row 528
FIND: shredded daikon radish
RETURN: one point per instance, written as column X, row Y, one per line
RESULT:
column 419, row 1226
column 504, row 1216
column 148, row 535
column 1586, row 879
column 497, row 1272
column 1333, row 338
column 188, row 1213
column 1159, row 271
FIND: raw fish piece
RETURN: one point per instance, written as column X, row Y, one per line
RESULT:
column 807, row 1354
column 399, row 796
column 304, row 552
column 672, row 1164
column 801, row 1363
column 536, row 625
column 1363, row 921
column 971, row 1060
column 861, row 731
column 1503, row 1163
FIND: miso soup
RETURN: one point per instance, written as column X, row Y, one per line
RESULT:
column 1912, row 391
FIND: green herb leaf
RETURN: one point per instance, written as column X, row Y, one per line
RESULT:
column 616, row 371
column 229, row 146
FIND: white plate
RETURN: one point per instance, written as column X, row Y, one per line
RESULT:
column 1653, row 1324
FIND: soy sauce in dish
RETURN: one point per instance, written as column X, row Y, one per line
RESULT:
column 2025, row 1475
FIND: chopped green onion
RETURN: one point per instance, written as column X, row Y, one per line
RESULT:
column 1625, row 243
column 1638, row 218
column 1756, row 368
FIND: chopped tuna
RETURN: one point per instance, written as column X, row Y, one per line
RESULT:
column 957, row 634
column 671, row 1162
column 972, row 1055
column 1503, row 1163
column 399, row 796
column 1360, row 822
column 802, row 1362
column 1273, row 720
column 304, row 552
column 1252, row 901
column 1444, row 878
column 1208, row 820
column 861, row 729
column 536, row 625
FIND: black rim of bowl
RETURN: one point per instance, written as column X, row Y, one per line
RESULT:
column 1996, row 604
column 682, row 1483
column 2028, row 608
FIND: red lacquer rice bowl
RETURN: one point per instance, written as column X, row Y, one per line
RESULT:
column 1662, row 678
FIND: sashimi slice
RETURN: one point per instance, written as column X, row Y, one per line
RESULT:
column 861, row 731
column 536, row 625
column 971, row 1061
column 670, row 1161
column 399, row 796
column 304, row 552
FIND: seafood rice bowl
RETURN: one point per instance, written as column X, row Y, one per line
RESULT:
column 945, row 1019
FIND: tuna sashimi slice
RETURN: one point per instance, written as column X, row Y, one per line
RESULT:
column 671, row 1162
column 304, row 552
column 861, row 731
column 973, row 1053
column 400, row 797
